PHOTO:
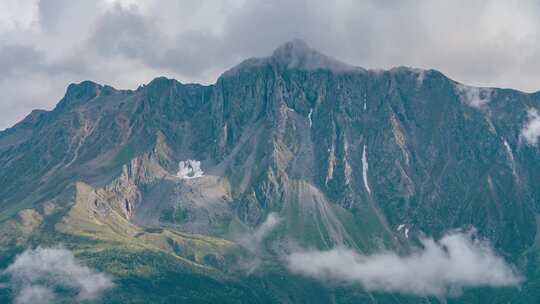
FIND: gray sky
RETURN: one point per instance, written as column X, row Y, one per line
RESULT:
column 47, row 44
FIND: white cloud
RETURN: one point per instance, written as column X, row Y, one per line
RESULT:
column 474, row 96
column 531, row 130
column 113, row 41
column 31, row 294
column 258, row 236
column 35, row 274
column 441, row 268
column 125, row 3
column 18, row 14
column 253, row 240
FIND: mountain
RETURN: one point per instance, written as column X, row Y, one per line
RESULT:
column 161, row 186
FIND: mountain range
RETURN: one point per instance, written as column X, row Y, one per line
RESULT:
column 199, row 193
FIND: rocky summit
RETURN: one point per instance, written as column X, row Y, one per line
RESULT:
column 197, row 194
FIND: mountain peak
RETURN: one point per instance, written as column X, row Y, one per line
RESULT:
column 298, row 54
column 79, row 92
column 160, row 80
column 295, row 47
column 84, row 88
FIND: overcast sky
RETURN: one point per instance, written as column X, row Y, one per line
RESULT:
column 47, row 44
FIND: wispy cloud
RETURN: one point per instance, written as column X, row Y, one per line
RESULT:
column 474, row 96
column 531, row 130
column 440, row 268
column 36, row 274
column 254, row 241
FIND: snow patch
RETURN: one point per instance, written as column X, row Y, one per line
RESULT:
column 531, row 130
column 406, row 230
column 510, row 156
column 309, row 117
column 189, row 169
column 421, row 75
column 508, row 149
column 365, row 170
column 365, row 102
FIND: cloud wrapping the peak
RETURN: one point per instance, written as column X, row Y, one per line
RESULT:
column 35, row 274
column 531, row 130
column 474, row 96
column 441, row 268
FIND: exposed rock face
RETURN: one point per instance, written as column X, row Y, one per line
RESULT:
column 344, row 155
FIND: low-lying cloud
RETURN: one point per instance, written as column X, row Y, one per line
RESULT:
column 441, row 268
column 531, row 131
column 36, row 274
column 254, row 242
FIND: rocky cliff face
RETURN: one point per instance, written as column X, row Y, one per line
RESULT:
column 294, row 133
column 344, row 155
column 410, row 146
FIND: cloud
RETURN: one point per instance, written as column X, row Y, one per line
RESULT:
column 474, row 96
column 36, row 274
column 125, row 43
column 260, row 234
column 35, row 294
column 531, row 130
column 441, row 268
column 17, row 14
column 253, row 240
column 19, row 59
